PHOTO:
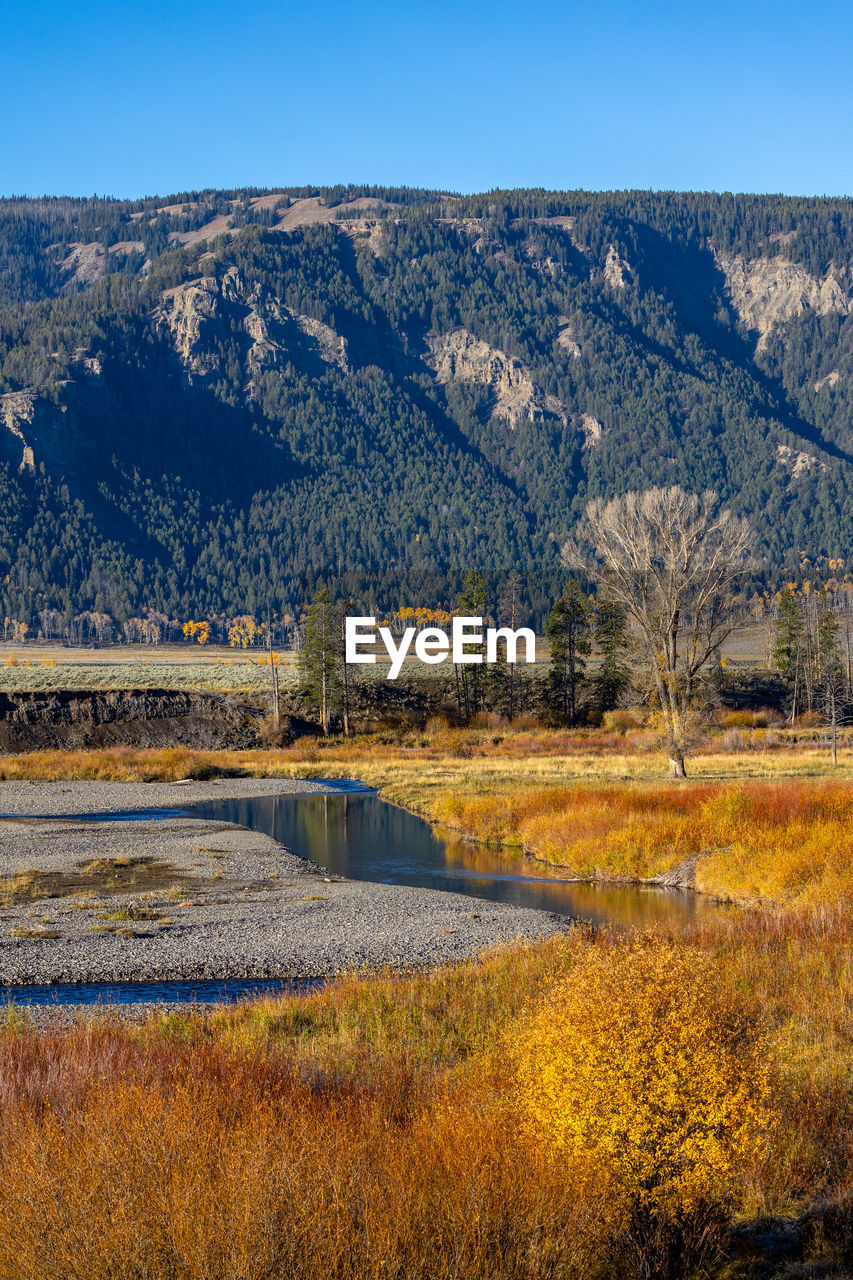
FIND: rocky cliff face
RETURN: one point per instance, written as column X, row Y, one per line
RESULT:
column 460, row 357
column 130, row 717
column 191, row 313
column 17, row 411
column 769, row 291
column 618, row 273
column 34, row 429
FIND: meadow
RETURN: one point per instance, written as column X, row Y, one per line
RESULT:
column 445, row 1124
column 767, row 820
column 377, row 1128
column 49, row 669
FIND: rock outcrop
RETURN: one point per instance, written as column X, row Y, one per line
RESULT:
column 189, row 312
column 592, row 430
column 796, row 462
column 17, row 410
column 34, row 429
column 567, row 340
column 185, row 310
column 618, row 272
column 461, row 357
column 769, row 291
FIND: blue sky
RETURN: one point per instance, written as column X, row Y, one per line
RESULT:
column 132, row 98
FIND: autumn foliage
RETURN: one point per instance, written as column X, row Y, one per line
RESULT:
column 787, row 840
column 643, row 1064
column 376, row 1128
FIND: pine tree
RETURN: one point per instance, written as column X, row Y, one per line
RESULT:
column 789, row 634
column 826, row 647
column 611, row 629
column 320, row 656
column 568, row 636
column 471, row 679
column 502, row 676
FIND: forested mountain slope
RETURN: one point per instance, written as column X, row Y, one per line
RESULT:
column 223, row 399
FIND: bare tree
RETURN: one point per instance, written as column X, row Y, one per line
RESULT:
column 670, row 559
column 832, row 701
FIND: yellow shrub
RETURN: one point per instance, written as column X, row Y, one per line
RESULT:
column 642, row 1062
column 622, row 719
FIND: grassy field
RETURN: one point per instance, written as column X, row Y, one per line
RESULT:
column 49, row 668
column 373, row 1129
column 381, row 1127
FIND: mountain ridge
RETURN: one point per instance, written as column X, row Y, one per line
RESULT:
column 219, row 401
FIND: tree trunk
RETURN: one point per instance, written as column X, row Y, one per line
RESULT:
column 676, row 764
column 346, row 698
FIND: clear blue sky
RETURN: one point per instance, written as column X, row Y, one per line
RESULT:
column 138, row 97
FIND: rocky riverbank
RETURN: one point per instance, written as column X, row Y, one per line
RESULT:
column 182, row 898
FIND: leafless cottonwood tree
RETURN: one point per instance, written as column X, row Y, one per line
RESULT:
column 832, row 700
column 670, row 558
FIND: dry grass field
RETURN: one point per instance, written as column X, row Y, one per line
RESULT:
column 390, row 1127
column 377, row 1128
column 46, row 668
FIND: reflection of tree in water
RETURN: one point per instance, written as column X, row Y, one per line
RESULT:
column 363, row 837
column 625, row 905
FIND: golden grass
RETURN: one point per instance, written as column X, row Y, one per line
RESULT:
column 367, row 1129
column 763, row 823
column 788, row 841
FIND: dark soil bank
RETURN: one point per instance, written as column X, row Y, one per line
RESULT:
column 129, row 717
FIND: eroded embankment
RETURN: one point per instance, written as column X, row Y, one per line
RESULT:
column 126, row 717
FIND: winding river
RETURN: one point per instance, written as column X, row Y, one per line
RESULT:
column 353, row 833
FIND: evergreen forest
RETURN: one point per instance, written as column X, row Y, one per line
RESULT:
column 219, row 403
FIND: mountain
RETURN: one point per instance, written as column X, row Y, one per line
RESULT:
column 219, row 401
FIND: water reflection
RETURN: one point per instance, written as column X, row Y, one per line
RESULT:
column 365, row 838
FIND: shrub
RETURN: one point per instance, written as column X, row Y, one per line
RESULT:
column 488, row 720
column 761, row 719
column 526, row 723
column 622, row 720
column 642, row 1063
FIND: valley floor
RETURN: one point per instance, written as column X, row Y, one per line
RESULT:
column 183, row 898
column 372, row 1128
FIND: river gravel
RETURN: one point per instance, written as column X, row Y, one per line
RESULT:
column 228, row 902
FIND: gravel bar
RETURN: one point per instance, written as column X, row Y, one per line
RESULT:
column 208, row 900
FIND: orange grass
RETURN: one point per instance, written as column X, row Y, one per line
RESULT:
column 571, row 752
column 365, row 1130
column 788, row 841
column 783, row 839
